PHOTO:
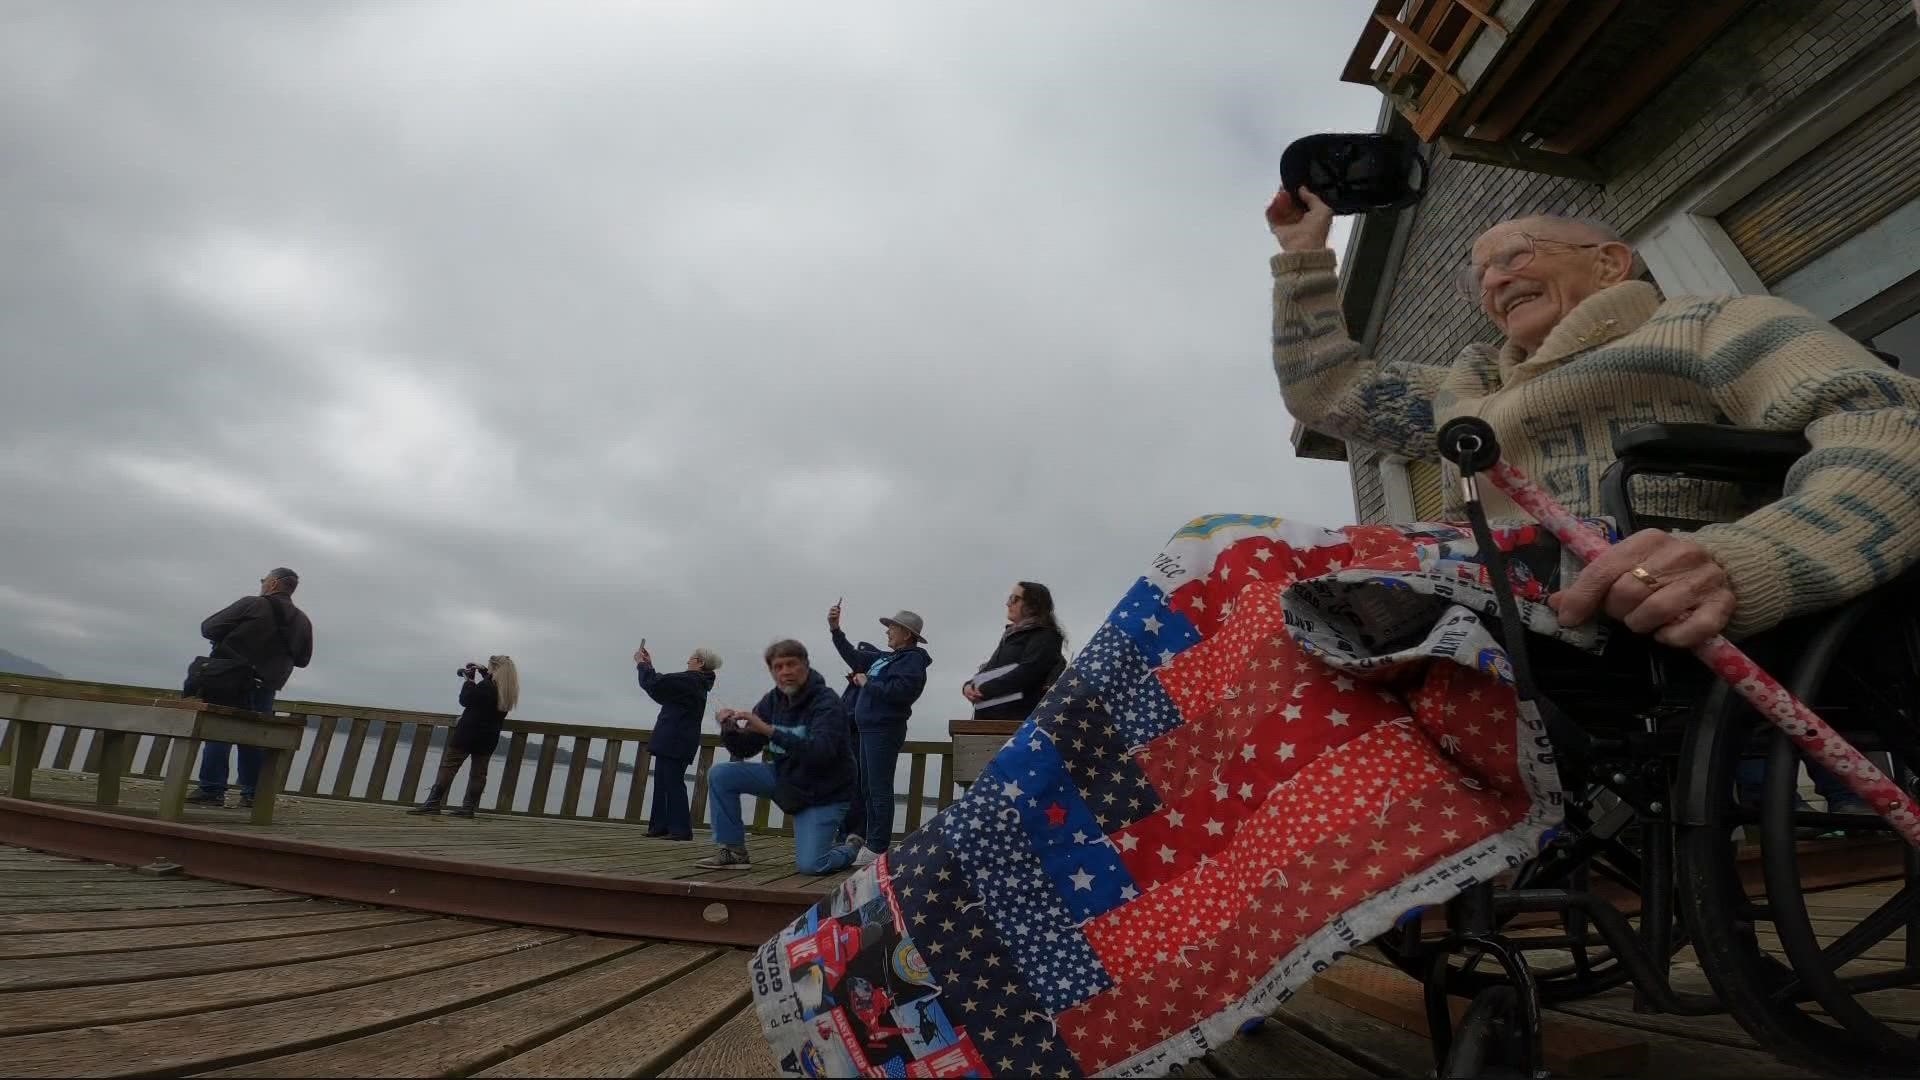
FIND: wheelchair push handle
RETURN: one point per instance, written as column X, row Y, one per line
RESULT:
column 1822, row 745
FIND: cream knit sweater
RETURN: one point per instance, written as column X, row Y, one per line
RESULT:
column 1850, row 519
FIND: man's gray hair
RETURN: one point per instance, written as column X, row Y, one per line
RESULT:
column 709, row 659
column 786, row 647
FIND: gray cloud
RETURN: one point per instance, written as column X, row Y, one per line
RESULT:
column 542, row 330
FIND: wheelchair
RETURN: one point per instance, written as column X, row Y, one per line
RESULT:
column 1648, row 744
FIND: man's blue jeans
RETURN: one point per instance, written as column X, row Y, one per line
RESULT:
column 813, row 828
column 877, row 752
column 213, row 755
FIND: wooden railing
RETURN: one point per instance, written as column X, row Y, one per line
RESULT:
column 362, row 754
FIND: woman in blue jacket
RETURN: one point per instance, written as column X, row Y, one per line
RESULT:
column 676, row 736
column 888, row 687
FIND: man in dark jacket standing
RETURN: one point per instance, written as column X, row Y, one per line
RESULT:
column 274, row 637
column 676, row 736
column 809, row 774
column 888, row 685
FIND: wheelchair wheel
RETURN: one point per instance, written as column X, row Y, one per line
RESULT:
column 1796, row 986
column 1490, row 1041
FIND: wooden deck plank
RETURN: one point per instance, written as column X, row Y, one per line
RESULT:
column 234, row 1036
column 41, row 904
column 640, row 1037
column 1381, row 1047
column 27, row 1011
column 286, row 907
column 53, row 972
column 1279, row 1050
column 134, row 939
column 459, row 1042
column 737, row 1050
column 108, row 885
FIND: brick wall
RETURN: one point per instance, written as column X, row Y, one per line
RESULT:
column 1776, row 51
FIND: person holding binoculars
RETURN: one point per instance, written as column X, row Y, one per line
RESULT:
column 487, row 695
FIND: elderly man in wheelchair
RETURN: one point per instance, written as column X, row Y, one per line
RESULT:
column 1778, row 503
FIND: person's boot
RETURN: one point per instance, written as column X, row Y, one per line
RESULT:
column 432, row 805
column 476, row 787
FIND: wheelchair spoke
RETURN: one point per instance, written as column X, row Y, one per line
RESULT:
column 1855, row 985
column 1872, row 930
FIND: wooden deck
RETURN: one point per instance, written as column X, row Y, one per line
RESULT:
column 583, row 844
column 107, row 970
column 111, row 972
column 490, row 866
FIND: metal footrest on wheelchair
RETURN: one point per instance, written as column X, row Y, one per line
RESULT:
column 1572, row 1047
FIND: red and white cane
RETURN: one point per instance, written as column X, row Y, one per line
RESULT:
column 1473, row 440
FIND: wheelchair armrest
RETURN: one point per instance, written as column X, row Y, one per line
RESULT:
column 1710, row 451
column 1695, row 451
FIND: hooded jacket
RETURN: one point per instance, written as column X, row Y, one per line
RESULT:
column 683, row 702
column 809, row 750
column 894, row 682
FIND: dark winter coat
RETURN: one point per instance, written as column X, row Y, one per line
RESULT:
column 894, row 682
column 683, row 703
column 1040, row 655
column 812, row 759
column 247, row 630
column 478, row 730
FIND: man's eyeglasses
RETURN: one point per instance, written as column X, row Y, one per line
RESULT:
column 1512, row 255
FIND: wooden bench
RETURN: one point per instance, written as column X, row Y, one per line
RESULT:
column 120, row 720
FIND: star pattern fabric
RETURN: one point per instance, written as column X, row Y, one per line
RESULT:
column 1154, row 627
column 1111, row 780
column 1283, row 740
column 1022, row 901
column 1075, row 852
column 1125, row 681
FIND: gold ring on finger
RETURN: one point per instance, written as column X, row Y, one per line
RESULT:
column 1645, row 577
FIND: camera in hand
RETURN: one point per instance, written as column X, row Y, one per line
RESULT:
column 471, row 670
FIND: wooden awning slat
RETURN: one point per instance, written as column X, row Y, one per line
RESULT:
column 1412, row 41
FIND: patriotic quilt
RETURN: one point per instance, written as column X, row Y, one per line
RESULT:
column 1282, row 741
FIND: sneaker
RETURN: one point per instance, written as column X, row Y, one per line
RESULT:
column 864, row 857
column 852, row 840
column 201, row 798
column 462, row 811
column 246, row 802
column 726, row 858
column 425, row 808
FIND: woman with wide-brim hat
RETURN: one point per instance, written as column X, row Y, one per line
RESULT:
column 888, row 686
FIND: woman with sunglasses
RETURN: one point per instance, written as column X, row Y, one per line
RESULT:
column 1031, row 654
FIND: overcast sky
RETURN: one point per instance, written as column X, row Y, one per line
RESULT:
column 538, row 329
